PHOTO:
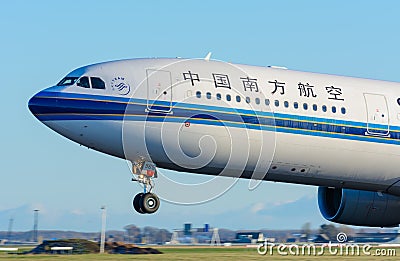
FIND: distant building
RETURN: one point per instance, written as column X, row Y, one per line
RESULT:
column 249, row 237
column 321, row 238
column 375, row 237
column 187, row 229
column 291, row 240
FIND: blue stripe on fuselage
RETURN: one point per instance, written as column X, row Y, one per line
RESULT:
column 74, row 106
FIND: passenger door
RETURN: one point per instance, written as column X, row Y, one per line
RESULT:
column 377, row 114
column 159, row 90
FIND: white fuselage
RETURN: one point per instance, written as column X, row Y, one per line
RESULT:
column 234, row 120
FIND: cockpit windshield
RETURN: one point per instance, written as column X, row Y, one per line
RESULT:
column 67, row 81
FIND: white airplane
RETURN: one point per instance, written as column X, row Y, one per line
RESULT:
column 261, row 123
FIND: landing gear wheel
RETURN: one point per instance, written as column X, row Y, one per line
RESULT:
column 137, row 203
column 149, row 203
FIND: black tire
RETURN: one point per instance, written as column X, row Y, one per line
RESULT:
column 137, row 203
column 149, row 203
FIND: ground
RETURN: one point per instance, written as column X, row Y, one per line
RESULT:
column 196, row 253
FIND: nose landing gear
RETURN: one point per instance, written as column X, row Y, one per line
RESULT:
column 145, row 202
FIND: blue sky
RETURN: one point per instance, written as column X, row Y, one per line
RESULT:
column 41, row 41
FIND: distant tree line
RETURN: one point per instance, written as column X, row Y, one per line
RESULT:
column 149, row 235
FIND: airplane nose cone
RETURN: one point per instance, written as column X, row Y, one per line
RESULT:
column 43, row 102
column 33, row 104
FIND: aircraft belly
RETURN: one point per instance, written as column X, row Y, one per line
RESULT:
column 337, row 159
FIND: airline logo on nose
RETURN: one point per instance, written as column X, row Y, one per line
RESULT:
column 119, row 85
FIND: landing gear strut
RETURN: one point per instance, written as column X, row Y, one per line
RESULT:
column 145, row 202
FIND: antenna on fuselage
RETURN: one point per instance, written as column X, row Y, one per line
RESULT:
column 208, row 56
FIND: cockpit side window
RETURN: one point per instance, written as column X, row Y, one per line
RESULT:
column 67, row 81
column 83, row 82
column 97, row 83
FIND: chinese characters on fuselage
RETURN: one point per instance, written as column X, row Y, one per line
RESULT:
column 278, row 87
column 221, row 80
column 191, row 76
column 250, row 84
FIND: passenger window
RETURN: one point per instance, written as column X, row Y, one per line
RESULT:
column 343, row 110
column 295, row 105
column 333, row 109
column 257, row 100
column 198, row 94
column 315, row 107
column 276, row 103
column 324, row 108
column 97, row 83
column 83, row 82
column 219, row 96
column 305, row 106
column 247, row 99
column 267, row 102
column 228, row 97
column 208, row 95
column 238, row 98
column 286, row 104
